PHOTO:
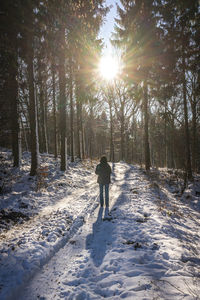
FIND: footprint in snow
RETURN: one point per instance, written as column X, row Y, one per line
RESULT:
column 142, row 288
column 136, row 245
column 107, row 218
column 165, row 255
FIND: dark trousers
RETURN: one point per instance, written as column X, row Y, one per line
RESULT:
column 103, row 187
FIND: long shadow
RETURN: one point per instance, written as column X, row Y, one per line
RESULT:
column 104, row 227
column 175, row 225
column 145, row 257
column 174, row 212
column 94, row 243
column 97, row 241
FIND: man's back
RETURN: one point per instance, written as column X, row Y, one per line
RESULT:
column 103, row 170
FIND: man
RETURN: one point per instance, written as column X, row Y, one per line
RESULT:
column 103, row 170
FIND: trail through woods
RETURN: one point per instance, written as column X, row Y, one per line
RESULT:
column 146, row 247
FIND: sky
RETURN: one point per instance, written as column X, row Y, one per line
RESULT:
column 108, row 26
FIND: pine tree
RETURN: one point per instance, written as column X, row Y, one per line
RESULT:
column 180, row 29
column 136, row 34
column 10, row 28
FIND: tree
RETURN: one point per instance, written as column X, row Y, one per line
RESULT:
column 71, row 109
column 107, row 92
column 10, row 27
column 62, row 104
column 181, row 27
column 136, row 34
column 32, row 108
column 54, row 107
column 45, row 36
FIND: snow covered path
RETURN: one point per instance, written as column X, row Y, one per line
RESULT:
column 147, row 248
column 25, row 247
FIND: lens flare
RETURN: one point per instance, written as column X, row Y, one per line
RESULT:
column 108, row 67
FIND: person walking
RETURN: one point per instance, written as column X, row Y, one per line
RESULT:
column 103, row 170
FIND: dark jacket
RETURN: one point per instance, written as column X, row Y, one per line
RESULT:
column 103, row 170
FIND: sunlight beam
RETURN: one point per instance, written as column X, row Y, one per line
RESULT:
column 108, row 67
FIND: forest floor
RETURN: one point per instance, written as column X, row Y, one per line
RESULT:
column 57, row 243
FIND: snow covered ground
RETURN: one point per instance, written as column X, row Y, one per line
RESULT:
column 146, row 247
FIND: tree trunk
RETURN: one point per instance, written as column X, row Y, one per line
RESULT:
column 41, row 112
column 111, row 134
column 82, row 133
column 12, row 92
column 24, row 134
column 78, row 145
column 133, row 133
column 165, row 137
column 146, row 129
column 187, row 137
column 62, row 108
column 42, row 126
column 54, row 111
column 91, row 134
column 45, row 121
column 173, row 164
column 71, row 112
column 14, row 116
column 32, row 109
column 26, row 118
column 122, row 133
column 194, row 134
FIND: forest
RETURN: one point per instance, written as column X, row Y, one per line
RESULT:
column 54, row 100
column 73, row 94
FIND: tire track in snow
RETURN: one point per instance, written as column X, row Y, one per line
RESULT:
column 45, row 233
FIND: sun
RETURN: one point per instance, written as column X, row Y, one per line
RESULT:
column 108, row 67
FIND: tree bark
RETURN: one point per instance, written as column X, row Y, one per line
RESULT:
column 14, row 116
column 165, row 137
column 194, row 134
column 32, row 109
column 42, row 119
column 45, row 121
column 24, row 134
column 173, row 163
column 91, row 133
column 82, row 133
column 146, row 129
column 122, row 131
column 111, row 133
column 62, row 108
column 54, row 110
column 78, row 145
column 187, row 136
column 12, row 90
column 71, row 112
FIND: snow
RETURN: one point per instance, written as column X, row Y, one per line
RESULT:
column 145, row 247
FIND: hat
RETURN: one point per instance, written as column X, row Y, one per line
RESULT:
column 103, row 160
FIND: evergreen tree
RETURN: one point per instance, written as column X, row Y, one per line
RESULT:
column 10, row 28
column 136, row 34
